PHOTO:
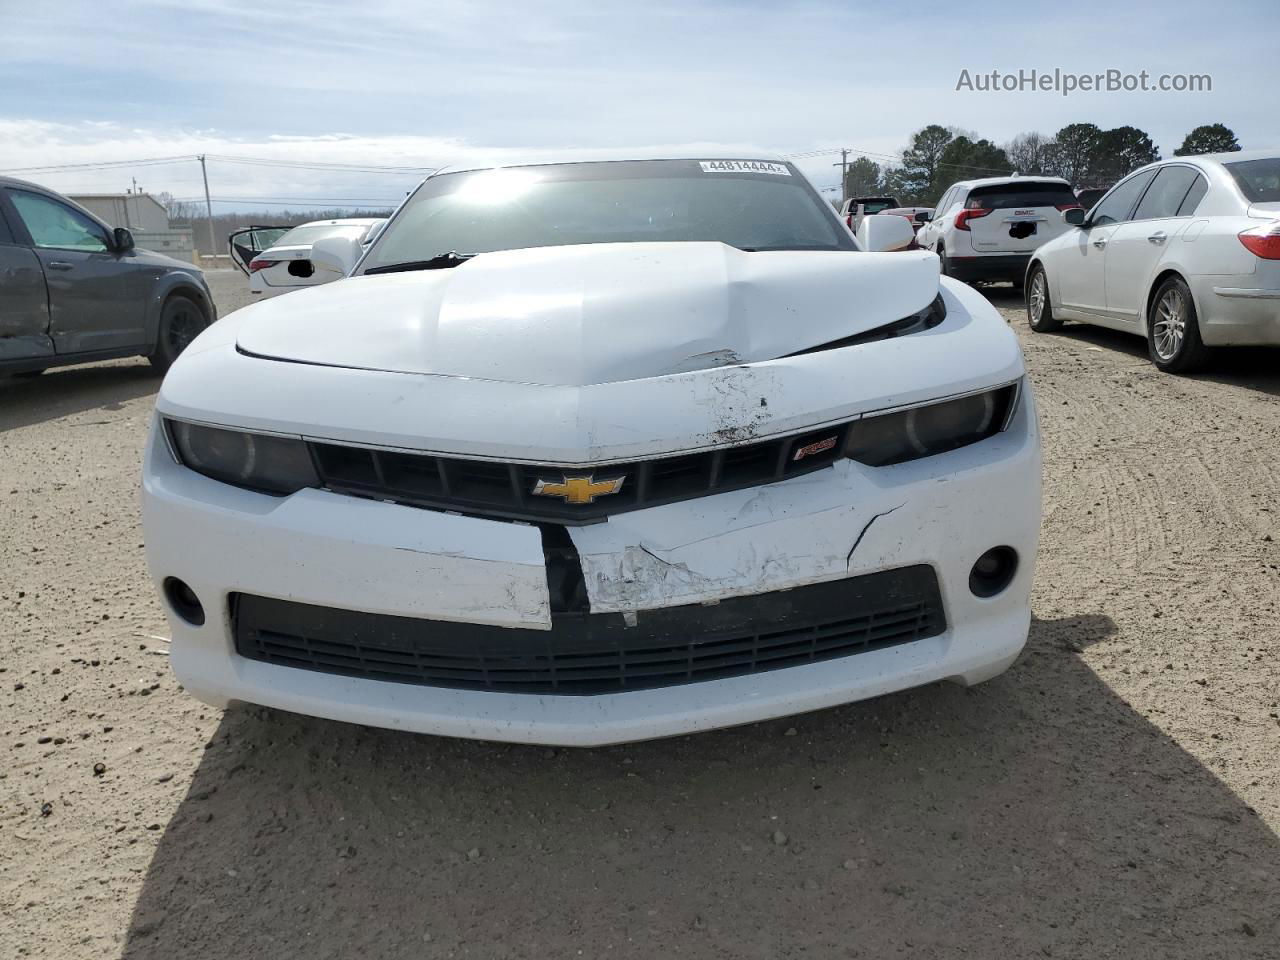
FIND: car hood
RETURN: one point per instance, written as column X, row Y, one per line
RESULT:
column 599, row 313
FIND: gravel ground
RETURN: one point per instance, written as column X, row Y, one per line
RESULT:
column 1115, row 794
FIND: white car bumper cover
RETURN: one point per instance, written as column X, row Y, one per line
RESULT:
column 336, row 551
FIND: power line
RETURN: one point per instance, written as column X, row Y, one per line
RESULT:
column 297, row 201
column 404, row 170
column 100, row 165
column 337, row 167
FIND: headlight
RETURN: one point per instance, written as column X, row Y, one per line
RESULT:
column 253, row 460
column 933, row 428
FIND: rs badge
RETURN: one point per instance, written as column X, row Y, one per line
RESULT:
column 809, row 450
column 578, row 489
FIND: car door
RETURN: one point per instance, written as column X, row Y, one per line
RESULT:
column 1081, row 267
column 24, row 300
column 97, row 296
column 246, row 244
column 1138, row 246
column 928, row 236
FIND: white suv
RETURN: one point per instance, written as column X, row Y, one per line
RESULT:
column 988, row 229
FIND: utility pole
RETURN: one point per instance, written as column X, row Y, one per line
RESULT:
column 844, row 174
column 127, row 222
column 208, row 205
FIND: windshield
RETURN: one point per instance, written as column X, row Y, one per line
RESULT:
column 1258, row 180
column 1034, row 194
column 311, row 232
column 752, row 205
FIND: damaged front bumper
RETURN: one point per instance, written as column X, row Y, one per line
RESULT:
column 380, row 567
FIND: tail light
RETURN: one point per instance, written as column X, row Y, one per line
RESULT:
column 256, row 264
column 1263, row 241
column 1064, row 207
column 848, row 221
column 964, row 216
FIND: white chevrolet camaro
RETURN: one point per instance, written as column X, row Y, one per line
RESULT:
column 591, row 452
column 1185, row 252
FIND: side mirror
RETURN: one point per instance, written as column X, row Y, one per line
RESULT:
column 121, row 240
column 1074, row 216
column 879, row 233
column 335, row 254
column 372, row 235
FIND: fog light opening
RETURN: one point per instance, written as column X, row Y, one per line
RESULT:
column 993, row 571
column 184, row 602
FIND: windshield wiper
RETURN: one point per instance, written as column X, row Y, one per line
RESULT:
column 441, row 261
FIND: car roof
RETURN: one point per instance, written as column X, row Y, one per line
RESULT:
column 1003, row 181
column 26, row 184
column 606, row 156
column 1207, row 161
column 1234, row 156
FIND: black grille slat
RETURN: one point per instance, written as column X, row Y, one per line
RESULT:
column 585, row 654
column 505, row 490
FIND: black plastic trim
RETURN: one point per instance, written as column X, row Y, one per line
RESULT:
column 601, row 653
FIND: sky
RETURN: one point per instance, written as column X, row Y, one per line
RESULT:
column 380, row 83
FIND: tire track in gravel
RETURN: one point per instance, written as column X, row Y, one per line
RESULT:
column 1127, row 419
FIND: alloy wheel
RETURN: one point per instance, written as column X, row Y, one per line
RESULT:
column 1037, row 296
column 1171, row 324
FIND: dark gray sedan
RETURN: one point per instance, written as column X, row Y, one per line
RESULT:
column 74, row 290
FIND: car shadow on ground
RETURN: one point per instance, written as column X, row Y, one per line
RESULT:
column 62, row 392
column 1253, row 368
column 1256, row 368
column 1036, row 815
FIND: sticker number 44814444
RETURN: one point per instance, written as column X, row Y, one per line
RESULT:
column 745, row 166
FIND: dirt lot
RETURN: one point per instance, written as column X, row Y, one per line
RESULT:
column 1115, row 794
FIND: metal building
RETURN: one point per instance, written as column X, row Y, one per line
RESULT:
column 145, row 217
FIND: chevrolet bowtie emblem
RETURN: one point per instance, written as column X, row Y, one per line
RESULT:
column 578, row 489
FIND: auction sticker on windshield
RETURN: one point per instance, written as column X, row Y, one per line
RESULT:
column 744, row 166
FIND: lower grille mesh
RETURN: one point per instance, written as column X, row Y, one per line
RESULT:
column 597, row 653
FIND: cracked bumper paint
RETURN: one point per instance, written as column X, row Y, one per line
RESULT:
column 320, row 548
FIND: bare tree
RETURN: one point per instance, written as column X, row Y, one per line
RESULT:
column 1031, row 153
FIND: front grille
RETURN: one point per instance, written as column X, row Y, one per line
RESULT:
column 506, row 490
column 598, row 653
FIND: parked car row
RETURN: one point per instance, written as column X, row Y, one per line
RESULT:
column 1184, row 252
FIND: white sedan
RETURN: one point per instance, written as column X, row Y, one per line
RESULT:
column 622, row 450
column 1185, row 252
column 287, row 264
